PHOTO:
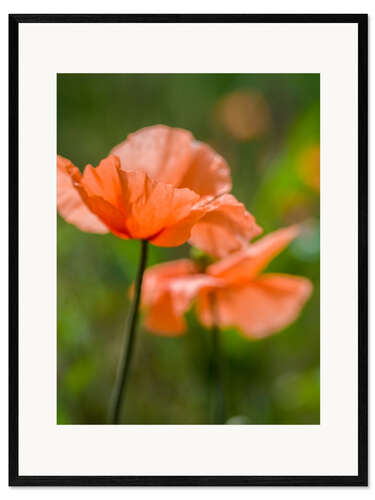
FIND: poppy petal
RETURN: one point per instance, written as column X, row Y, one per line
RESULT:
column 152, row 207
column 69, row 202
column 155, row 276
column 226, row 227
column 244, row 265
column 110, row 215
column 162, row 319
column 164, row 153
column 104, row 182
column 101, row 190
column 167, row 299
column 261, row 308
column 208, row 172
column 179, row 232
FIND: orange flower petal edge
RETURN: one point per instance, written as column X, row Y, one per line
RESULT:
column 226, row 227
column 69, row 202
column 171, row 155
column 260, row 308
column 244, row 265
column 208, row 173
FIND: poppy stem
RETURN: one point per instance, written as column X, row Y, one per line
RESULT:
column 123, row 371
column 217, row 392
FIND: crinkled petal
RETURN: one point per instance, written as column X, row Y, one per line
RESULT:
column 152, row 207
column 179, row 232
column 109, row 214
column 226, row 227
column 104, row 182
column 101, row 190
column 260, row 308
column 244, row 265
column 164, row 153
column 69, row 202
column 208, row 172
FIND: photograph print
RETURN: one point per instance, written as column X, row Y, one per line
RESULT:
column 188, row 249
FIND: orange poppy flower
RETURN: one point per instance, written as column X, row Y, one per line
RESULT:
column 161, row 186
column 231, row 292
column 173, row 156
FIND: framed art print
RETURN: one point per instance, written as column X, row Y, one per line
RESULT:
column 188, row 250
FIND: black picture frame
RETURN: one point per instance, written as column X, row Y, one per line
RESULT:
column 359, row 480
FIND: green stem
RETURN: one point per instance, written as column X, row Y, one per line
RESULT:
column 217, row 393
column 123, row 372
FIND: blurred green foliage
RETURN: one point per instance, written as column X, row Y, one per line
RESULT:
column 271, row 381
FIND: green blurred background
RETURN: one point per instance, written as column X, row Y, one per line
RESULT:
column 267, row 128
